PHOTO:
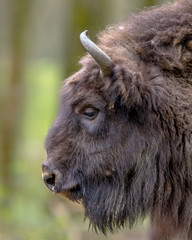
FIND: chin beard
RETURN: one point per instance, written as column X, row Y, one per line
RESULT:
column 111, row 206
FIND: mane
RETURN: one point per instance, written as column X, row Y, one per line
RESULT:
column 150, row 36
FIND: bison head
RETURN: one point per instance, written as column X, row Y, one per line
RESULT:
column 102, row 147
column 119, row 131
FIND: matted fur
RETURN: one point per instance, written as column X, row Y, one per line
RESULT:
column 135, row 158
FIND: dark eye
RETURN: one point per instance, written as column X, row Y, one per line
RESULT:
column 90, row 113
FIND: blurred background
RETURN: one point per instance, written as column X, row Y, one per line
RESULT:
column 39, row 47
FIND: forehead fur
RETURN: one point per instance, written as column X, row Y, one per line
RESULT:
column 152, row 38
column 149, row 45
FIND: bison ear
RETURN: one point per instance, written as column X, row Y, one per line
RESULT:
column 103, row 60
column 129, row 86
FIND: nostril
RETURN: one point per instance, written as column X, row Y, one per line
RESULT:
column 49, row 177
column 49, row 180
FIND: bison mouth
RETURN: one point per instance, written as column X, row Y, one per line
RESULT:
column 73, row 193
column 54, row 180
column 70, row 190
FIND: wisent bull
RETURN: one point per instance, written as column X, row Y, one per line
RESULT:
column 122, row 142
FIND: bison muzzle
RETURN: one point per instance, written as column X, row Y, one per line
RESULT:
column 122, row 142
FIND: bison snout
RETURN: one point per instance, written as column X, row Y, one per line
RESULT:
column 51, row 178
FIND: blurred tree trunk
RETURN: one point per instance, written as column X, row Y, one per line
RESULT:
column 13, row 99
column 81, row 15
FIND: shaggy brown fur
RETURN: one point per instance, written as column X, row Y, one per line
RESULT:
column 135, row 157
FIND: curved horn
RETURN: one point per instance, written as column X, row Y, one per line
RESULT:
column 99, row 55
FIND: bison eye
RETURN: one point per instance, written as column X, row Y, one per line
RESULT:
column 90, row 113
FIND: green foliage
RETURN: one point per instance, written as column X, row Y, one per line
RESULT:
column 24, row 211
